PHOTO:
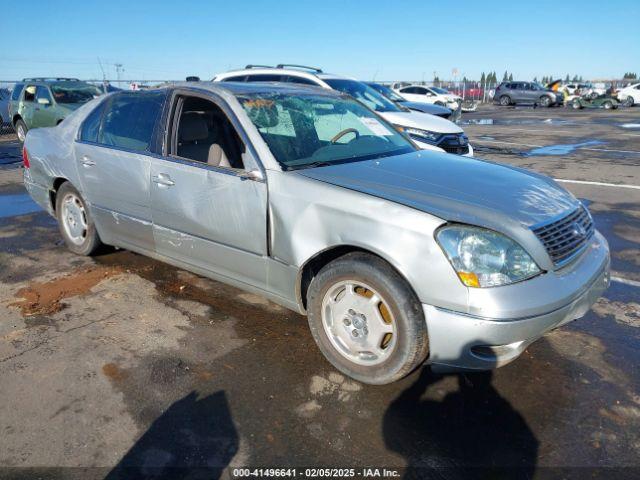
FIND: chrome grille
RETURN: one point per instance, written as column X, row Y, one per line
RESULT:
column 566, row 237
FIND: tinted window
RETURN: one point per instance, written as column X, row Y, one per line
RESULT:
column 43, row 92
column 365, row 94
column 241, row 78
column 91, row 125
column 129, row 120
column 303, row 81
column 264, row 78
column 17, row 90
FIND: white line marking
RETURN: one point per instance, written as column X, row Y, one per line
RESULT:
column 625, row 281
column 601, row 184
column 481, row 141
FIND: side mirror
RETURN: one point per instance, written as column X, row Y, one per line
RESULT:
column 44, row 101
column 254, row 175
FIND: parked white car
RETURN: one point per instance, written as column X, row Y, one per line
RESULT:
column 587, row 90
column 435, row 95
column 427, row 131
column 629, row 95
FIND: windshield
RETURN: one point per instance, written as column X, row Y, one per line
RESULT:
column 441, row 91
column 365, row 94
column 387, row 92
column 74, row 93
column 304, row 131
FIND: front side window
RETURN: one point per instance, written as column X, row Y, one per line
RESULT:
column 74, row 93
column 129, row 120
column 364, row 93
column 30, row 93
column 441, row 91
column 307, row 130
column 300, row 80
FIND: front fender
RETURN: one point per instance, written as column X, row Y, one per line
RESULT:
column 309, row 216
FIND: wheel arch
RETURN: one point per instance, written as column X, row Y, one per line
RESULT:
column 15, row 118
column 315, row 263
column 57, row 183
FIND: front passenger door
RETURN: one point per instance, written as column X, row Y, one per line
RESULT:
column 207, row 213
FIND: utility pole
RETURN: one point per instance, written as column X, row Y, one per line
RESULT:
column 119, row 70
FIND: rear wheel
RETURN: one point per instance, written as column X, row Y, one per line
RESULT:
column 366, row 320
column 75, row 222
column 628, row 102
column 576, row 104
column 608, row 105
column 505, row 101
column 21, row 130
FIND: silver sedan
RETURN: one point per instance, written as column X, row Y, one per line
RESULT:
column 397, row 256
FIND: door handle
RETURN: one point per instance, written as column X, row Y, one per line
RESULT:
column 163, row 180
column 87, row 162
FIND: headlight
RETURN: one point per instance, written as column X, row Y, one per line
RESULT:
column 422, row 135
column 483, row 258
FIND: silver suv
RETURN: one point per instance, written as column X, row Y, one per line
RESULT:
column 510, row 93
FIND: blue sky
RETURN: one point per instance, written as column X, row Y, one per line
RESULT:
column 370, row 39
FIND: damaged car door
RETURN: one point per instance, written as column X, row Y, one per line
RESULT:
column 208, row 195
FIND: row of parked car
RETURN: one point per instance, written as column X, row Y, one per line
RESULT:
column 330, row 199
column 40, row 102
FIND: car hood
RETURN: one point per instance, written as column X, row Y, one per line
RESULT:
column 421, row 120
column 427, row 108
column 455, row 188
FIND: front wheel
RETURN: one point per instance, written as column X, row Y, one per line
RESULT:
column 366, row 319
column 75, row 222
column 576, row 104
column 608, row 105
column 628, row 102
column 21, row 130
column 545, row 101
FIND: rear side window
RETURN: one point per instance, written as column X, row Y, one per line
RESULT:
column 130, row 119
column 30, row 94
column 17, row 90
column 264, row 78
column 43, row 92
column 241, row 78
column 91, row 125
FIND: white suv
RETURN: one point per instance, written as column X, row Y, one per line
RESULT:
column 629, row 95
column 427, row 131
column 435, row 95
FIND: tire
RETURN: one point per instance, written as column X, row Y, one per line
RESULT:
column 576, row 105
column 628, row 102
column 75, row 223
column 545, row 101
column 505, row 101
column 333, row 322
column 608, row 105
column 21, row 130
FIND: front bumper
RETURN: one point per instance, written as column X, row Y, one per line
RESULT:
column 435, row 148
column 459, row 341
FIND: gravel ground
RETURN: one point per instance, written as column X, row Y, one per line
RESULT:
column 119, row 364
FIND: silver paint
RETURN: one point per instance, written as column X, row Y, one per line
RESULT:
column 259, row 232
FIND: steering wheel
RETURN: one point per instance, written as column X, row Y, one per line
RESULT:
column 344, row 132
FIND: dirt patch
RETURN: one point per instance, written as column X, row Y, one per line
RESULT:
column 113, row 372
column 46, row 298
column 625, row 313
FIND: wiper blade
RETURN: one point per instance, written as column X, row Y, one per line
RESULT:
column 311, row 165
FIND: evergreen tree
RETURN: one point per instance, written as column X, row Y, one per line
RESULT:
column 511, row 77
column 567, row 78
column 505, row 77
column 483, row 79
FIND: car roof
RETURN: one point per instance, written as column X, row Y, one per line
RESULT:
column 240, row 88
column 294, row 72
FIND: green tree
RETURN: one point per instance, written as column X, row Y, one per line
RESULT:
column 511, row 77
column 505, row 77
column 483, row 79
column 567, row 78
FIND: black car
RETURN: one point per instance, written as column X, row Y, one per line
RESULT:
column 436, row 110
column 511, row 93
